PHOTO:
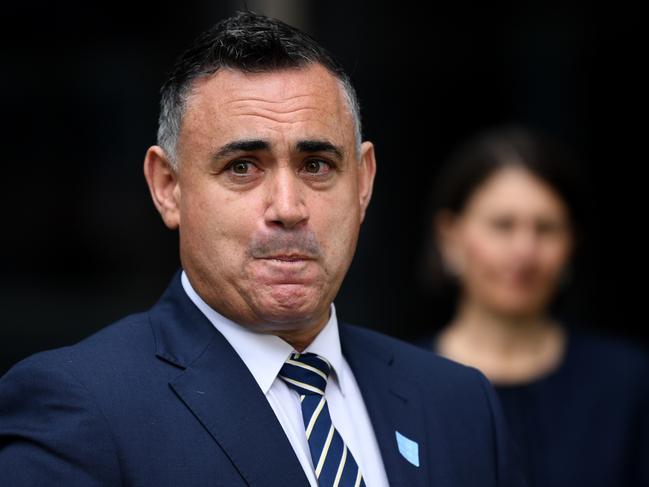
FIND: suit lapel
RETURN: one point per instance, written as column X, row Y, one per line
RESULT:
column 222, row 394
column 224, row 397
column 394, row 405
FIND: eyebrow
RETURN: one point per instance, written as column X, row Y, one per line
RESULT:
column 252, row 145
column 246, row 145
column 319, row 146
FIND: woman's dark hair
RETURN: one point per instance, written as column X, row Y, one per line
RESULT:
column 471, row 164
column 474, row 162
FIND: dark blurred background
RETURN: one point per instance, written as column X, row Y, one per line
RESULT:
column 83, row 245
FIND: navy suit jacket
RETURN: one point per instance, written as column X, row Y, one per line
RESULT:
column 162, row 399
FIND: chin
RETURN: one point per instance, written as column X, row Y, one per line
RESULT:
column 278, row 322
column 519, row 309
column 517, row 302
column 289, row 304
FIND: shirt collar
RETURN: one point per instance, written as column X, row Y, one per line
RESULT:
column 265, row 354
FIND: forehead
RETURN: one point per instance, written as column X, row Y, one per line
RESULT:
column 515, row 189
column 277, row 105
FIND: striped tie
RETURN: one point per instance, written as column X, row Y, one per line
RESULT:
column 307, row 373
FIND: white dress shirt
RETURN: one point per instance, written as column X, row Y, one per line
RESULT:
column 264, row 356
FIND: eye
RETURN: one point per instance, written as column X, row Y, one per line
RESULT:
column 242, row 167
column 502, row 224
column 548, row 227
column 316, row 166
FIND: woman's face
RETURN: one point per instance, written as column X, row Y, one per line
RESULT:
column 510, row 244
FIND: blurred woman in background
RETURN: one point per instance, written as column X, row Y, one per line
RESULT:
column 505, row 229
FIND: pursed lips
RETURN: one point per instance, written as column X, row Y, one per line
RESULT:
column 288, row 257
column 287, row 268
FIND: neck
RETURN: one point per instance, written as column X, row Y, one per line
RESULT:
column 301, row 338
column 301, row 335
column 508, row 349
column 498, row 332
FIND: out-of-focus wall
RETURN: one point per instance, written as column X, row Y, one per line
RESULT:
column 82, row 244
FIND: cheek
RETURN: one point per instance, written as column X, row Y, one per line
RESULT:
column 553, row 260
column 214, row 228
column 485, row 265
column 336, row 222
column 482, row 254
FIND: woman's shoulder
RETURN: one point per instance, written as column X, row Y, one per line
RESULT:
column 607, row 350
column 608, row 358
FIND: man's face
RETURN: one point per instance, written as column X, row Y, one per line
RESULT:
column 269, row 195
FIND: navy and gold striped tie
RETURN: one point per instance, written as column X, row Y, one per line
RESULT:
column 334, row 464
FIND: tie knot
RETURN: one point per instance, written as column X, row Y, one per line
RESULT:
column 306, row 373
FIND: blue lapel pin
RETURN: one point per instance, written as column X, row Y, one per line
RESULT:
column 408, row 448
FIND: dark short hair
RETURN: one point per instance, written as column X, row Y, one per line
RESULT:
column 247, row 42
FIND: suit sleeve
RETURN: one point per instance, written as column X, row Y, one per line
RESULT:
column 51, row 431
column 508, row 468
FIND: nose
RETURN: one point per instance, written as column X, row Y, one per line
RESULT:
column 525, row 244
column 286, row 206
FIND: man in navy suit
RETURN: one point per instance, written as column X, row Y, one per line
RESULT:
column 241, row 374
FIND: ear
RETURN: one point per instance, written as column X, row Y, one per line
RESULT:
column 163, row 185
column 447, row 228
column 366, row 173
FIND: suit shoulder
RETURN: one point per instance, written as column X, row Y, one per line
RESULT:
column 448, row 393
column 115, row 342
column 51, row 424
column 425, row 364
